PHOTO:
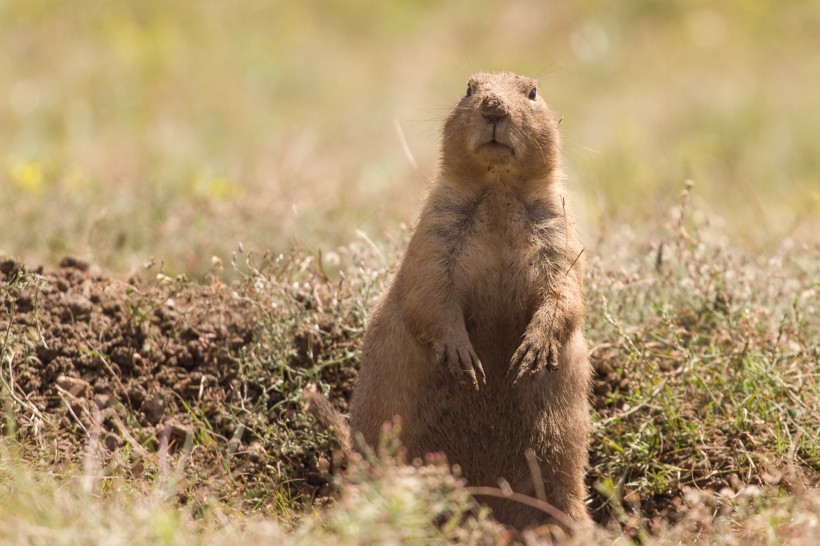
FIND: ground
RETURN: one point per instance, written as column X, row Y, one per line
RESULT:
column 705, row 361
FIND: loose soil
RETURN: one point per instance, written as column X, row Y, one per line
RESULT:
column 129, row 368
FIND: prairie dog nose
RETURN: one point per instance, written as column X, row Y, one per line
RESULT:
column 493, row 109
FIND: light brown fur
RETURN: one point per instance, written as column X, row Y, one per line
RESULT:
column 478, row 343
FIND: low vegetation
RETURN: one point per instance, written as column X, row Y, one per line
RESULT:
column 173, row 406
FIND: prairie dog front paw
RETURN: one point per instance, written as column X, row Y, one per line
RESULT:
column 533, row 355
column 458, row 356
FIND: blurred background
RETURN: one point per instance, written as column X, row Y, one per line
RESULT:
column 175, row 129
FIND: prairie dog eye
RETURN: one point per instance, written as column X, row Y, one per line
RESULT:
column 469, row 89
column 532, row 94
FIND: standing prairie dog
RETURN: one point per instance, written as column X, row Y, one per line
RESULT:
column 478, row 342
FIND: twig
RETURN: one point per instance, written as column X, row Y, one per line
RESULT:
column 10, row 387
column 60, row 392
column 574, row 262
column 405, row 147
column 134, row 443
column 361, row 234
column 543, row 506
column 555, row 309
column 535, row 474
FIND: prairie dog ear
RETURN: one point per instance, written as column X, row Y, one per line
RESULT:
column 472, row 83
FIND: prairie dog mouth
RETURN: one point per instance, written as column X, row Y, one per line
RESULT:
column 494, row 146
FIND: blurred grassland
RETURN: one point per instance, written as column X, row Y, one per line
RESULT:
column 176, row 129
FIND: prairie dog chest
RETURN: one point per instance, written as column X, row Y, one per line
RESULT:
column 498, row 260
column 503, row 235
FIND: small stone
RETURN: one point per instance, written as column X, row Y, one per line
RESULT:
column 79, row 306
column 75, row 386
column 177, row 433
column 102, row 401
column 632, row 499
column 111, row 442
column 136, row 394
column 154, row 408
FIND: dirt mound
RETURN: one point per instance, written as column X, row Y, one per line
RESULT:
column 131, row 368
column 105, row 340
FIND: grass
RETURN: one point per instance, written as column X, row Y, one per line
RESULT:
column 261, row 163
column 712, row 361
column 381, row 503
column 706, row 425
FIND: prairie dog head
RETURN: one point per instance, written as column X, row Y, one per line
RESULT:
column 500, row 129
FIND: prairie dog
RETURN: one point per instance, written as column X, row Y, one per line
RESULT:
column 478, row 342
